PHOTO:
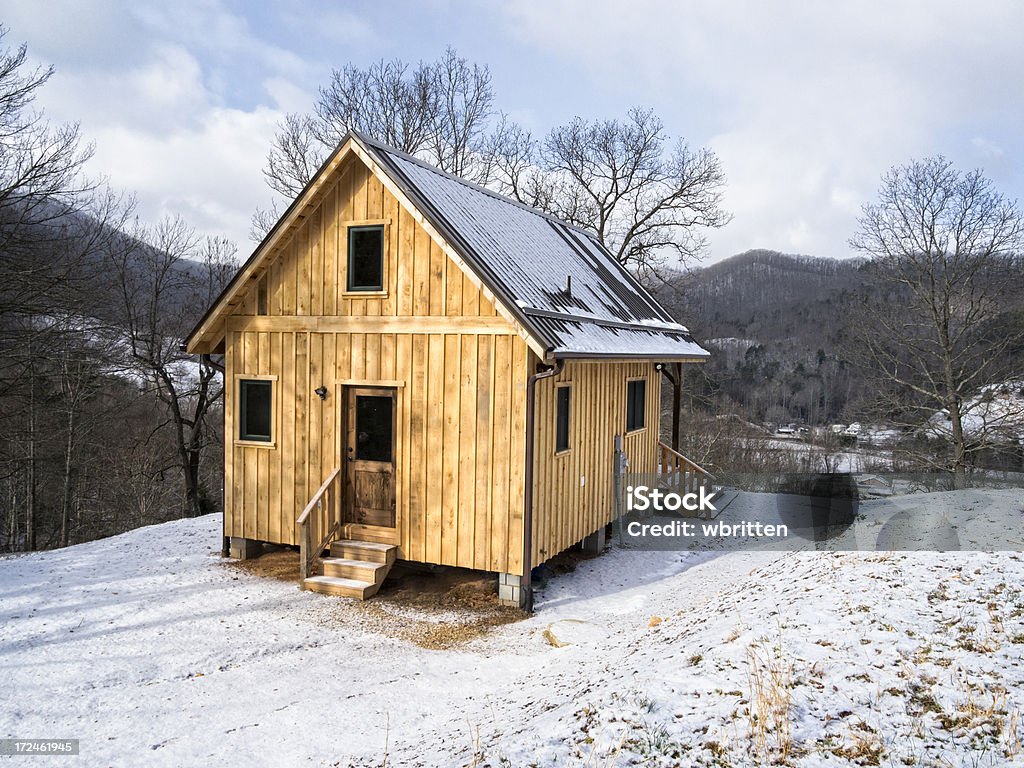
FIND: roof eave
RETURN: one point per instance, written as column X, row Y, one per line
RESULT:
column 193, row 342
column 623, row 356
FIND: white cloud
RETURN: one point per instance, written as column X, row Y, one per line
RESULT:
column 287, row 96
column 332, row 23
column 987, row 147
column 806, row 104
column 210, row 174
column 161, row 118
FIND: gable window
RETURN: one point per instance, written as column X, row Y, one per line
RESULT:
column 255, row 409
column 636, row 401
column 366, row 258
column 562, row 395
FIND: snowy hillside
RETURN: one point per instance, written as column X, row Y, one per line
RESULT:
column 995, row 414
column 154, row 652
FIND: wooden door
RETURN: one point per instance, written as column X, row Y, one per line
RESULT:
column 370, row 430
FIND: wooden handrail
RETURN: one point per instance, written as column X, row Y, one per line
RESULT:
column 673, row 452
column 319, row 522
column 301, row 519
column 680, row 473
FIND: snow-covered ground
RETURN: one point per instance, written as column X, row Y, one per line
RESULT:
column 153, row 652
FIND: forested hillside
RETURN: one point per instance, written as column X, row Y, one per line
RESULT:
column 781, row 330
column 105, row 425
column 775, row 323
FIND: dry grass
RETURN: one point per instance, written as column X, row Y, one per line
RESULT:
column 1011, row 735
column 770, row 674
column 863, row 746
column 978, row 707
column 278, row 564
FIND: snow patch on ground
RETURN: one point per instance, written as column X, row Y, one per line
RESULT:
column 151, row 651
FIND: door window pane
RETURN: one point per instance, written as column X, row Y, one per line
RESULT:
column 373, row 428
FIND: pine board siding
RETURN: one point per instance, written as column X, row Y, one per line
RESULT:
column 459, row 367
column 564, row 510
column 457, row 360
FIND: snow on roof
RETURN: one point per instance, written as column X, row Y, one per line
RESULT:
column 564, row 287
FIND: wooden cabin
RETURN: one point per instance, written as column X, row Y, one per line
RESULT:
column 419, row 368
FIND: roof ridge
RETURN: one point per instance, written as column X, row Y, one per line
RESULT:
column 378, row 144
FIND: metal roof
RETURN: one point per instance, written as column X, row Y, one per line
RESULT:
column 563, row 286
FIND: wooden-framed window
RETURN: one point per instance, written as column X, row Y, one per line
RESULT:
column 563, row 401
column 365, row 258
column 636, row 404
column 256, row 412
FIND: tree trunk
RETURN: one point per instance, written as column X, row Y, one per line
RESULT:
column 65, row 499
column 192, row 497
column 959, row 445
column 30, row 480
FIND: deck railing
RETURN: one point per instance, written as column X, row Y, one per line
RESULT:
column 677, row 472
column 319, row 524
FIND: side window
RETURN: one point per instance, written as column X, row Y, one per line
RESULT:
column 255, row 409
column 366, row 258
column 562, row 396
column 636, row 401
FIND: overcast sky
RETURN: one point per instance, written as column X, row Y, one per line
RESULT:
column 806, row 103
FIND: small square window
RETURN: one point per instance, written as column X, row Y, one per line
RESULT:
column 255, row 410
column 562, row 419
column 636, row 400
column 366, row 258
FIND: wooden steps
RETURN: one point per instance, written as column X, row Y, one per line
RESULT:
column 370, row 551
column 360, row 570
column 354, row 569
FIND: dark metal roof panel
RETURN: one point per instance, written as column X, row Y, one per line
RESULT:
column 539, row 265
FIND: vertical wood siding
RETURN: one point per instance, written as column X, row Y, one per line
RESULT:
column 565, row 511
column 462, row 404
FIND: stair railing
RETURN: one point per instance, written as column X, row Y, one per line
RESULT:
column 319, row 524
column 679, row 473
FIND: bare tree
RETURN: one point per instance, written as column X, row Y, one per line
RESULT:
column 463, row 100
column 295, row 154
column 942, row 284
column 649, row 200
column 438, row 110
column 40, row 177
column 160, row 276
column 44, row 249
column 512, row 166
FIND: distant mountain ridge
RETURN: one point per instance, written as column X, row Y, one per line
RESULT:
column 772, row 321
column 761, row 294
